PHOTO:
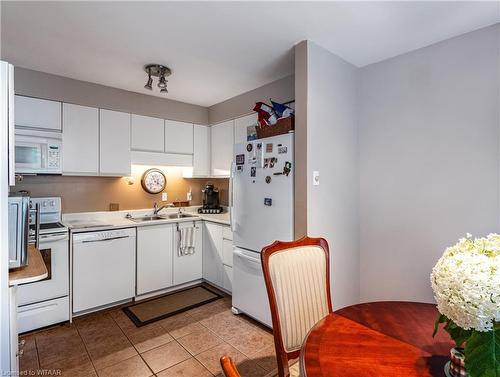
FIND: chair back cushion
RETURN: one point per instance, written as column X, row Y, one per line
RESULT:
column 298, row 277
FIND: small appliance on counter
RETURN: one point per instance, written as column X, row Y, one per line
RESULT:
column 19, row 217
column 211, row 202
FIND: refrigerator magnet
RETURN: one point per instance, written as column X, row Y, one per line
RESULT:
column 253, row 171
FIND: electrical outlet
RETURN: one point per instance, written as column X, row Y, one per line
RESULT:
column 164, row 196
column 189, row 196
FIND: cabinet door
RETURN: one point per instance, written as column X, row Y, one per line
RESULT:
column 38, row 113
column 178, row 137
column 228, row 279
column 154, row 257
column 222, row 141
column 114, row 146
column 80, row 140
column 241, row 125
column 148, row 134
column 201, row 157
column 212, row 254
column 188, row 267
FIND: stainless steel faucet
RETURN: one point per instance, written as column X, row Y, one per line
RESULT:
column 157, row 209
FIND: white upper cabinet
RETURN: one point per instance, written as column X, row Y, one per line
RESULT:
column 240, row 127
column 37, row 113
column 222, row 141
column 80, row 140
column 178, row 137
column 114, row 146
column 148, row 134
column 201, row 153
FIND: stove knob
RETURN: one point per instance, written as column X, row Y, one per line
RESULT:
column 52, row 203
column 44, row 203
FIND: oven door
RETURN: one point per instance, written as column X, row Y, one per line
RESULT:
column 54, row 250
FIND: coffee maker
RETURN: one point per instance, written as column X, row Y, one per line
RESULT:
column 211, row 202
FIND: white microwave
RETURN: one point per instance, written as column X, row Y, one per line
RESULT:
column 38, row 152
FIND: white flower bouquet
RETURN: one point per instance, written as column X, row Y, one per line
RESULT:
column 466, row 284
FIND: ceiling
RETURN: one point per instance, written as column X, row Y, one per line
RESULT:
column 219, row 49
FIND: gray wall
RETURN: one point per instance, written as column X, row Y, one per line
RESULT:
column 280, row 90
column 332, row 149
column 429, row 160
column 48, row 86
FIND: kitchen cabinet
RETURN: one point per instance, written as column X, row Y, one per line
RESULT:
column 227, row 252
column 222, row 141
column 178, row 137
column 241, row 125
column 154, row 257
column 212, row 254
column 114, row 143
column 218, row 255
column 188, row 267
column 80, row 140
column 227, row 279
column 201, row 151
column 147, row 133
column 37, row 113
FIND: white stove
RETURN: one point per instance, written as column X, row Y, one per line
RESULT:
column 46, row 302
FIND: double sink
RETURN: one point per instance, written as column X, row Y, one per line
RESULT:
column 161, row 217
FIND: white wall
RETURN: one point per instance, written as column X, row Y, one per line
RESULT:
column 332, row 149
column 429, row 160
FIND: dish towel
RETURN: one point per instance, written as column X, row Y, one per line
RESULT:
column 186, row 241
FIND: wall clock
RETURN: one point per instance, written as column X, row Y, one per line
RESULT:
column 153, row 181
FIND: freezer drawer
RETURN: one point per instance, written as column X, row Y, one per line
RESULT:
column 249, row 289
column 34, row 316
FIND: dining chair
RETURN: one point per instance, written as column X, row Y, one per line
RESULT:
column 228, row 367
column 297, row 277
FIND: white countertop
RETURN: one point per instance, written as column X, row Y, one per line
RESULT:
column 92, row 221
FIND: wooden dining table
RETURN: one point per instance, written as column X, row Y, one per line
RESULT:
column 376, row 339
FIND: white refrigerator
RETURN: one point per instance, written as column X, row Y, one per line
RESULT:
column 261, row 208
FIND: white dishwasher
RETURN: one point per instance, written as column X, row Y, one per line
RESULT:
column 103, row 268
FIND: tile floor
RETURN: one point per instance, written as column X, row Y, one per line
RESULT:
column 108, row 344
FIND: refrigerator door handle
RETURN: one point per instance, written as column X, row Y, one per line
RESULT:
column 231, row 206
column 248, row 258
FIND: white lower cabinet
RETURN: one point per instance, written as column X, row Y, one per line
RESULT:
column 154, row 257
column 188, row 267
column 227, row 279
column 217, row 255
column 212, row 254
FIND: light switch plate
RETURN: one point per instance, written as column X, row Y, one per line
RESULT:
column 315, row 178
column 189, row 196
column 164, row 196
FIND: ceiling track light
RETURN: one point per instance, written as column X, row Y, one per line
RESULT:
column 160, row 71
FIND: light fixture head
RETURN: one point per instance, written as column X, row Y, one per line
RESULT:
column 159, row 71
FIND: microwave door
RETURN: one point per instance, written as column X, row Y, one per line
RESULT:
column 29, row 157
